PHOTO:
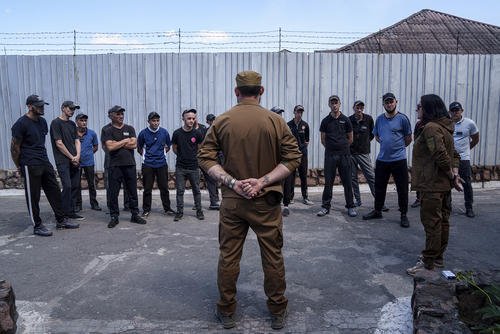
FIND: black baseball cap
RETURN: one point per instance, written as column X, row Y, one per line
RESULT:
column 334, row 97
column 188, row 111
column 277, row 110
column 455, row 106
column 210, row 117
column 358, row 102
column 70, row 104
column 35, row 100
column 298, row 107
column 153, row 115
column 116, row 108
column 388, row 96
column 81, row 115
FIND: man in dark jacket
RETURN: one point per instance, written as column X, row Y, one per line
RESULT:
column 434, row 173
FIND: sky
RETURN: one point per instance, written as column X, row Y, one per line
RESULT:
column 131, row 16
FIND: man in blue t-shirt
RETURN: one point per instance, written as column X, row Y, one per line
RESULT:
column 88, row 146
column 185, row 141
column 393, row 131
column 153, row 143
column 30, row 157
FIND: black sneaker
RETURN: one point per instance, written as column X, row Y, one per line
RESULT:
column 214, row 207
column 66, row 224
column 278, row 320
column 145, row 213
column 169, row 212
column 385, row 209
column 415, row 204
column 227, row 321
column 374, row 214
column 75, row 216
column 138, row 220
column 200, row 215
column 470, row 213
column 96, row 208
column 42, row 231
column 178, row 216
column 404, row 221
column 113, row 222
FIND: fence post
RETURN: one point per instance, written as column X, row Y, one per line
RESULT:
column 279, row 39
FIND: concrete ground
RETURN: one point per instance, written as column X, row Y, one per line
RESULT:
column 344, row 275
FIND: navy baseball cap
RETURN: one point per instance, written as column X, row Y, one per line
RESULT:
column 80, row 116
column 388, row 96
column 455, row 106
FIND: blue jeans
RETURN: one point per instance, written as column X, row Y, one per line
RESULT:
column 193, row 175
column 343, row 163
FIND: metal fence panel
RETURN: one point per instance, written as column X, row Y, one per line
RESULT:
column 171, row 82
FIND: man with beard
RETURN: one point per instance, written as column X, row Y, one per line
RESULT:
column 66, row 149
column 393, row 131
column 30, row 157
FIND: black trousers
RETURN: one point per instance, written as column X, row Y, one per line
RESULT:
column 35, row 179
column 90, row 177
column 465, row 173
column 342, row 162
column 126, row 175
column 399, row 171
column 70, row 181
column 289, row 184
column 106, row 185
column 149, row 174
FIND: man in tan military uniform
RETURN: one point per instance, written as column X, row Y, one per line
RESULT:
column 260, row 151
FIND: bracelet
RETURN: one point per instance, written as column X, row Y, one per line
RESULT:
column 232, row 183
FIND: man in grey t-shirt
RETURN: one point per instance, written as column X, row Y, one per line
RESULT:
column 466, row 136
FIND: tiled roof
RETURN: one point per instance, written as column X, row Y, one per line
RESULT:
column 429, row 31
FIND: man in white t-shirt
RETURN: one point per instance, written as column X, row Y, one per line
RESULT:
column 466, row 136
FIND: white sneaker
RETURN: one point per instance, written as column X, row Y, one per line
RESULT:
column 323, row 212
column 351, row 212
column 307, row 201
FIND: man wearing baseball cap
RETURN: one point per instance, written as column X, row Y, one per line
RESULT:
column 66, row 148
column 153, row 143
column 393, row 131
column 466, row 137
column 30, row 157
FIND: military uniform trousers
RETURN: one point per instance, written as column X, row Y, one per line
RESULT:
column 236, row 216
column 435, row 216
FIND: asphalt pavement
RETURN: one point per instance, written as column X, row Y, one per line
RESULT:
column 344, row 275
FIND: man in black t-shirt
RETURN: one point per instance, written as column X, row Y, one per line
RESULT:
column 336, row 137
column 120, row 141
column 30, row 157
column 66, row 149
column 185, row 141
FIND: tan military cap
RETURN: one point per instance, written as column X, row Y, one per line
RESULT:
column 248, row 78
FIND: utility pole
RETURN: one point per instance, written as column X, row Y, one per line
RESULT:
column 279, row 39
column 179, row 40
column 74, row 42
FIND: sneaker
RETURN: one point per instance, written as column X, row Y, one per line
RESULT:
column 200, row 215
column 416, row 204
column 66, row 224
column 169, row 212
column 75, row 216
column 178, row 216
column 285, row 212
column 227, row 321
column 438, row 263
column 113, row 222
column 470, row 213
column 358, row 202
column 145, row 213
column 214, row 207
column 278, row 320
column 96, row 208
column 292, row 201
column 418, row 267
column 138, row 220
column 323, row 212
column 385, row 209
column 307, row 201
column 42, row 231
column 374, row 214
column 351, row 212
column 404, row 221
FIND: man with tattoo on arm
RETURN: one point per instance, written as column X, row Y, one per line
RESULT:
column 260, row 151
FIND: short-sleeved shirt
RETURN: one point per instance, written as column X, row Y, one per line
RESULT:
column 336, row 130
column 187, row 147
column 461, row 136
column 65, row 131
column 121, row 156
column 362, row 134
column 87, row 143
column 301, row 132
column 153, row 144
column 392, row 133
column 32, row 134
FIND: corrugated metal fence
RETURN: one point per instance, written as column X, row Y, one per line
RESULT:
column 168, row 83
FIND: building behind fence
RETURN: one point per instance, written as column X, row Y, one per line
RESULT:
column 171, row 82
